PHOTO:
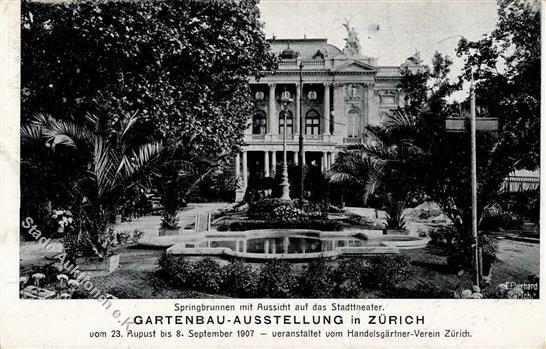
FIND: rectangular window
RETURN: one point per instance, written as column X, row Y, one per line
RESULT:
column 312, row 126
column 289, row 126
column 353, row 125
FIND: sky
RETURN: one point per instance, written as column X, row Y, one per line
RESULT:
column 404, row 26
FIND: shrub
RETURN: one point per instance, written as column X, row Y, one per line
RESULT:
column 457, row 245
column 394, row 217
column 439, row 235
column 349, row 276
column 317, row 280
column 239, row 279
column 176, row 270
column 423, row 289
column 129, row 237
column 276, row 279
column 318, row 224
column 77, row 245
column 288, row 213
column 287, row 210
column 387, row 271
column 263, row 209
column 494, row 218
column 206, row 276
column 489, row 246
column 124, row 292
column 313, row 210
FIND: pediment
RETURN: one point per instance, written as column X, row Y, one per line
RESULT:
column 355, row 66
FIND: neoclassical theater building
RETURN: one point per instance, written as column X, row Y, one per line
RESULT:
column 343, row 91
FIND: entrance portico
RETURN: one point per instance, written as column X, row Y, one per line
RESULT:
column 266, row 163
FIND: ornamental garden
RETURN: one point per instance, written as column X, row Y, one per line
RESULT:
column 199, row 159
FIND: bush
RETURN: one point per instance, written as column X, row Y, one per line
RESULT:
column 387, row 271
column 349, row 275
column 176, row 270
column 457, row 245
column 124, row 292
column 495, row 218
column 288, row 213
column 206, row 276
column 276, row 280
column 287, row 210
column 317, row 280
column 263, row 209
column 318, row 224
column 313, row 210
column 239, row 279
column 423, row 289
column 77, row 245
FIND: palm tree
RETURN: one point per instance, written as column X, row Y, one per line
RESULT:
column 384, row 159
column 114, row 161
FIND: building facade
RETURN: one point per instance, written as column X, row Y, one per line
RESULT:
column 342, row 93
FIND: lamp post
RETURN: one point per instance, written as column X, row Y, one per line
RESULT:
column 285, row 186
column 460, row 125
column 300, row 152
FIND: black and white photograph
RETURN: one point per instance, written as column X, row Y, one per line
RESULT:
column 176, row 149
column 254, row 150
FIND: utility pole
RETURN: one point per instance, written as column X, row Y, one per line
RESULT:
column 484, row 124
column 474, row 179
column 300, row 153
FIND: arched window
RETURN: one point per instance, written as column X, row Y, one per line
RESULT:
column 353, row 123
column 289, row 123
column 259, row 123
column 312, row 123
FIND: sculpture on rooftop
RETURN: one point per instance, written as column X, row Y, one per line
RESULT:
column 352, row 44
column 415, row 59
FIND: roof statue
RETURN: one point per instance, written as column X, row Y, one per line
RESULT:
column 352, row 44
column 415, row 59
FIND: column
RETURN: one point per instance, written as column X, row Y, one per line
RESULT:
column 371, row 109
column 245, row 168
column 266, row 163
column 296, row 126
column 340, row 128
column 333, row 158
column 266, row 246
column 237, row 165
column 326, row 128
column 273, row 163
column 324, row 161
column 296, row 156
column 286, row 242
column 328, row 160
column 272, row 114
column 303, row 157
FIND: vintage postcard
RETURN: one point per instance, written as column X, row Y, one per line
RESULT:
column 273, row 173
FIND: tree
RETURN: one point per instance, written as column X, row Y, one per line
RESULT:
column 436, row 162
column 113, row 163
column 182, row 65
column 506, row 67
column 385, row 163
